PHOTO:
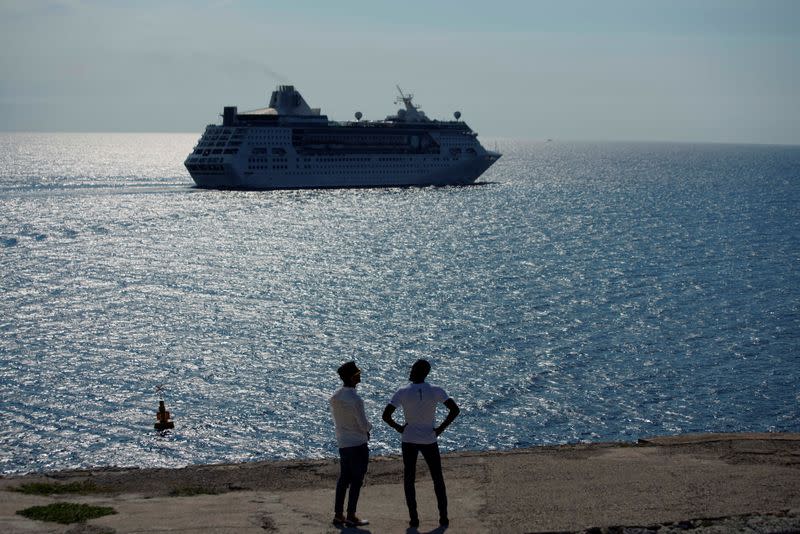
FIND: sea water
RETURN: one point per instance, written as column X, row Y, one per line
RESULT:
column 582, row 292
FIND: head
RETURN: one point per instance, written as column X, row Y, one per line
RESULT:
column 350, row 374
column 419, row 371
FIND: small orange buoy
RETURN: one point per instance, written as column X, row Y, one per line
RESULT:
column 162, row 418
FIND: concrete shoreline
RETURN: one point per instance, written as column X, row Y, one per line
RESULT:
column 747, row 482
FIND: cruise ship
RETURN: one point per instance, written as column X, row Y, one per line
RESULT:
column 290, row 145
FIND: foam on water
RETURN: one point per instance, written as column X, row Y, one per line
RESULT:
column 586, row 292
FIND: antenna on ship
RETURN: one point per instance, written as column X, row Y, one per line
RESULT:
column 405, row 99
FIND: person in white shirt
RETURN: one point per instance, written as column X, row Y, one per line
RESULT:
column 419, row 401
column 352, row 435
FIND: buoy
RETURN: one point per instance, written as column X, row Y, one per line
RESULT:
column 162, row 418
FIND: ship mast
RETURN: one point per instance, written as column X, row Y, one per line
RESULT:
column 406, row 100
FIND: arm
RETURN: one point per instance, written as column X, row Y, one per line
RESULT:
column 387, row 417
column 454, row 410
column 361, row 417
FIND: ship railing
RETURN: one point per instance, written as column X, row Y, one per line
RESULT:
column 456, row 125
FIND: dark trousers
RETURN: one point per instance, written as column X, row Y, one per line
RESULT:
column 430, row 452
column 352, row 468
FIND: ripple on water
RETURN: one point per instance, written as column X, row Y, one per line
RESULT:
column 590, row 292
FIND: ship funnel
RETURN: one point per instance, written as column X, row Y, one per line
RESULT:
column 286, row 100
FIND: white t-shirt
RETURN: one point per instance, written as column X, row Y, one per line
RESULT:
column 351, row 423
column 419, row 407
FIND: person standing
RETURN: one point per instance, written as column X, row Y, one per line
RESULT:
column 352, row 435
column 419, row 400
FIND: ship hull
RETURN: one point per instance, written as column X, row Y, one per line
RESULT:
column 458, row 173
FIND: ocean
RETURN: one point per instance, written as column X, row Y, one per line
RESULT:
column 582, row 292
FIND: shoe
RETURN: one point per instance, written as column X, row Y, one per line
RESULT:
column 444, row 522
column 338, row 520
column 353, row 521
column 413, row 523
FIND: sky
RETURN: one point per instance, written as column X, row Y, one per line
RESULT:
column 629, row 70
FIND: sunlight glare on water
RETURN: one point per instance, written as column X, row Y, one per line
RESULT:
column 584, row 292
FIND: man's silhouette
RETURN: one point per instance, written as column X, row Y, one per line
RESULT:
column 352, row 435
column 419, row 401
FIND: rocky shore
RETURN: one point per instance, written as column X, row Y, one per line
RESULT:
column 691, row 483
